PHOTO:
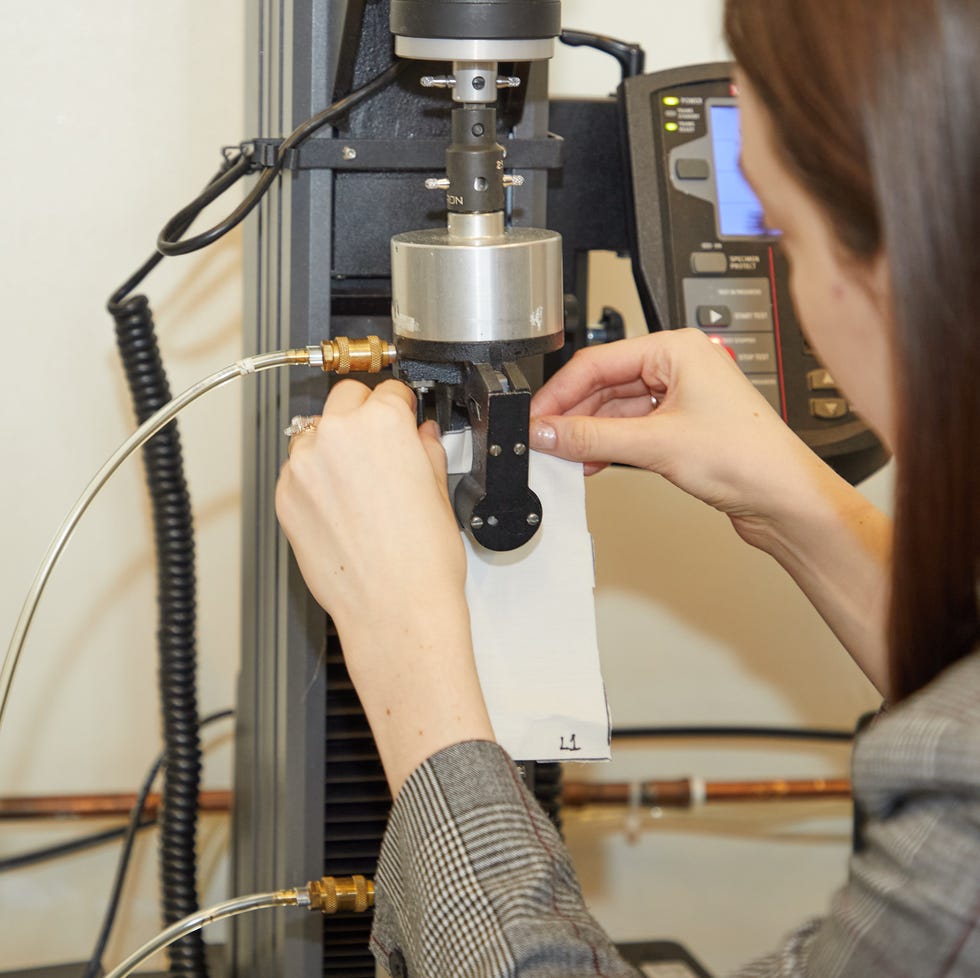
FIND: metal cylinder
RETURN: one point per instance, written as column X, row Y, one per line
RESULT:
column 475, row 282
column 474, row 49
column 486, row 19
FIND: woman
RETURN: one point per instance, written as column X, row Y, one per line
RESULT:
column 861, row 136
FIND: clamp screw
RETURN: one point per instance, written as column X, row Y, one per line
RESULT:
column 508, row 81
column 437, row 183
column 515, row 180
column 476, row 523
column 533, row 519
column 438, row 81
column 479, row 83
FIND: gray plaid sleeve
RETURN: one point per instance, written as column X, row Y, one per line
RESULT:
column 473, row 880
column 911, row 904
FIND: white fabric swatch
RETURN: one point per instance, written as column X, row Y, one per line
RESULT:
column 534, row 629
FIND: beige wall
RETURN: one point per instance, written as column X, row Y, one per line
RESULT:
column 116, row 112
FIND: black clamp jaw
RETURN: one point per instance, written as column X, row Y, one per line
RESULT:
column 494, row 501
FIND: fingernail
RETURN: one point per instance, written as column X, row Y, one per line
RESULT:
column 543, row 437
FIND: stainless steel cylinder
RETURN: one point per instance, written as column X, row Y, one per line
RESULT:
column 477, row 282
column 476, row 49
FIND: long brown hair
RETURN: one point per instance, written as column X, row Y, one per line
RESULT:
column 876, row 110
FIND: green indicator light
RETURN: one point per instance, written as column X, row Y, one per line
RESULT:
column 671, row 100
column 671, row 127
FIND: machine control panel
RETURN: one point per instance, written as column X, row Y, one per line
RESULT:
column 703, row 256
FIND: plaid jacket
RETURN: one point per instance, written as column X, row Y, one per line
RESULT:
column 474, row 881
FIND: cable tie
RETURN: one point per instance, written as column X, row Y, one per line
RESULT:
column 634, row 820
column 699, row 791
column 261, row 152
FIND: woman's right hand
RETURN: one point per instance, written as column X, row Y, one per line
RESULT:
column 677, row 404
column 714, row 435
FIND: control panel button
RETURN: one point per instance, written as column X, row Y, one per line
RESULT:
column 720, row 343
column 755, row 353
column 820, row 380
column 709, row 263
column 828, row 408
column 688, row 169
column 748, row 299
column 714, row 317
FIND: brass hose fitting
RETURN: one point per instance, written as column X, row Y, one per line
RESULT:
column 346, row 894
column 370, row 355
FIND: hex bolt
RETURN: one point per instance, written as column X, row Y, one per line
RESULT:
column 533, row 519
column 520, row 449
column 476, row 523
column 496, row 450
column 479, row 83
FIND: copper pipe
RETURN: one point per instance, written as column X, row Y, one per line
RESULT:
column 774, row 790
column 660, row 794
column 680, row 793
column 98, row 806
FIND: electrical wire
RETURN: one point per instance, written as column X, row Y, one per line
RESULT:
column 94, row 966
column 194, row 922
column 170, row 240
column 176, row 633
column 241, row 368
column 69, row 848
column 721, row 732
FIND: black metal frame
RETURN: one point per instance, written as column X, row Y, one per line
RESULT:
column 310, row 795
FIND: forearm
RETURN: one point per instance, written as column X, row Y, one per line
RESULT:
column 473, row 880
column 426, row 695
column 837, row 547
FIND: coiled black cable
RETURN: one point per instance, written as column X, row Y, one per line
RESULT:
column 177, row 600
column 173, row 525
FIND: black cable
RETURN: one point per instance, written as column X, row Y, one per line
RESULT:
column 69, row 848
column 769, row 733
column 174, row 527
column 94, row 967
column 169, row 240
column 177, row 624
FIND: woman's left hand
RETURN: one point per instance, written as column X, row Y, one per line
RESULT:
column 363, row 500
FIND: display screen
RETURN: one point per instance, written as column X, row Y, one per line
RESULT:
column 739, row 211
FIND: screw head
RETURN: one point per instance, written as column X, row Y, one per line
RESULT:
column 479, row 83
column 476, row 523
column 478, row 129
column 533, row 519
column 496, row 450
column 520, row 449
column 349, row 153
column 492, row 521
